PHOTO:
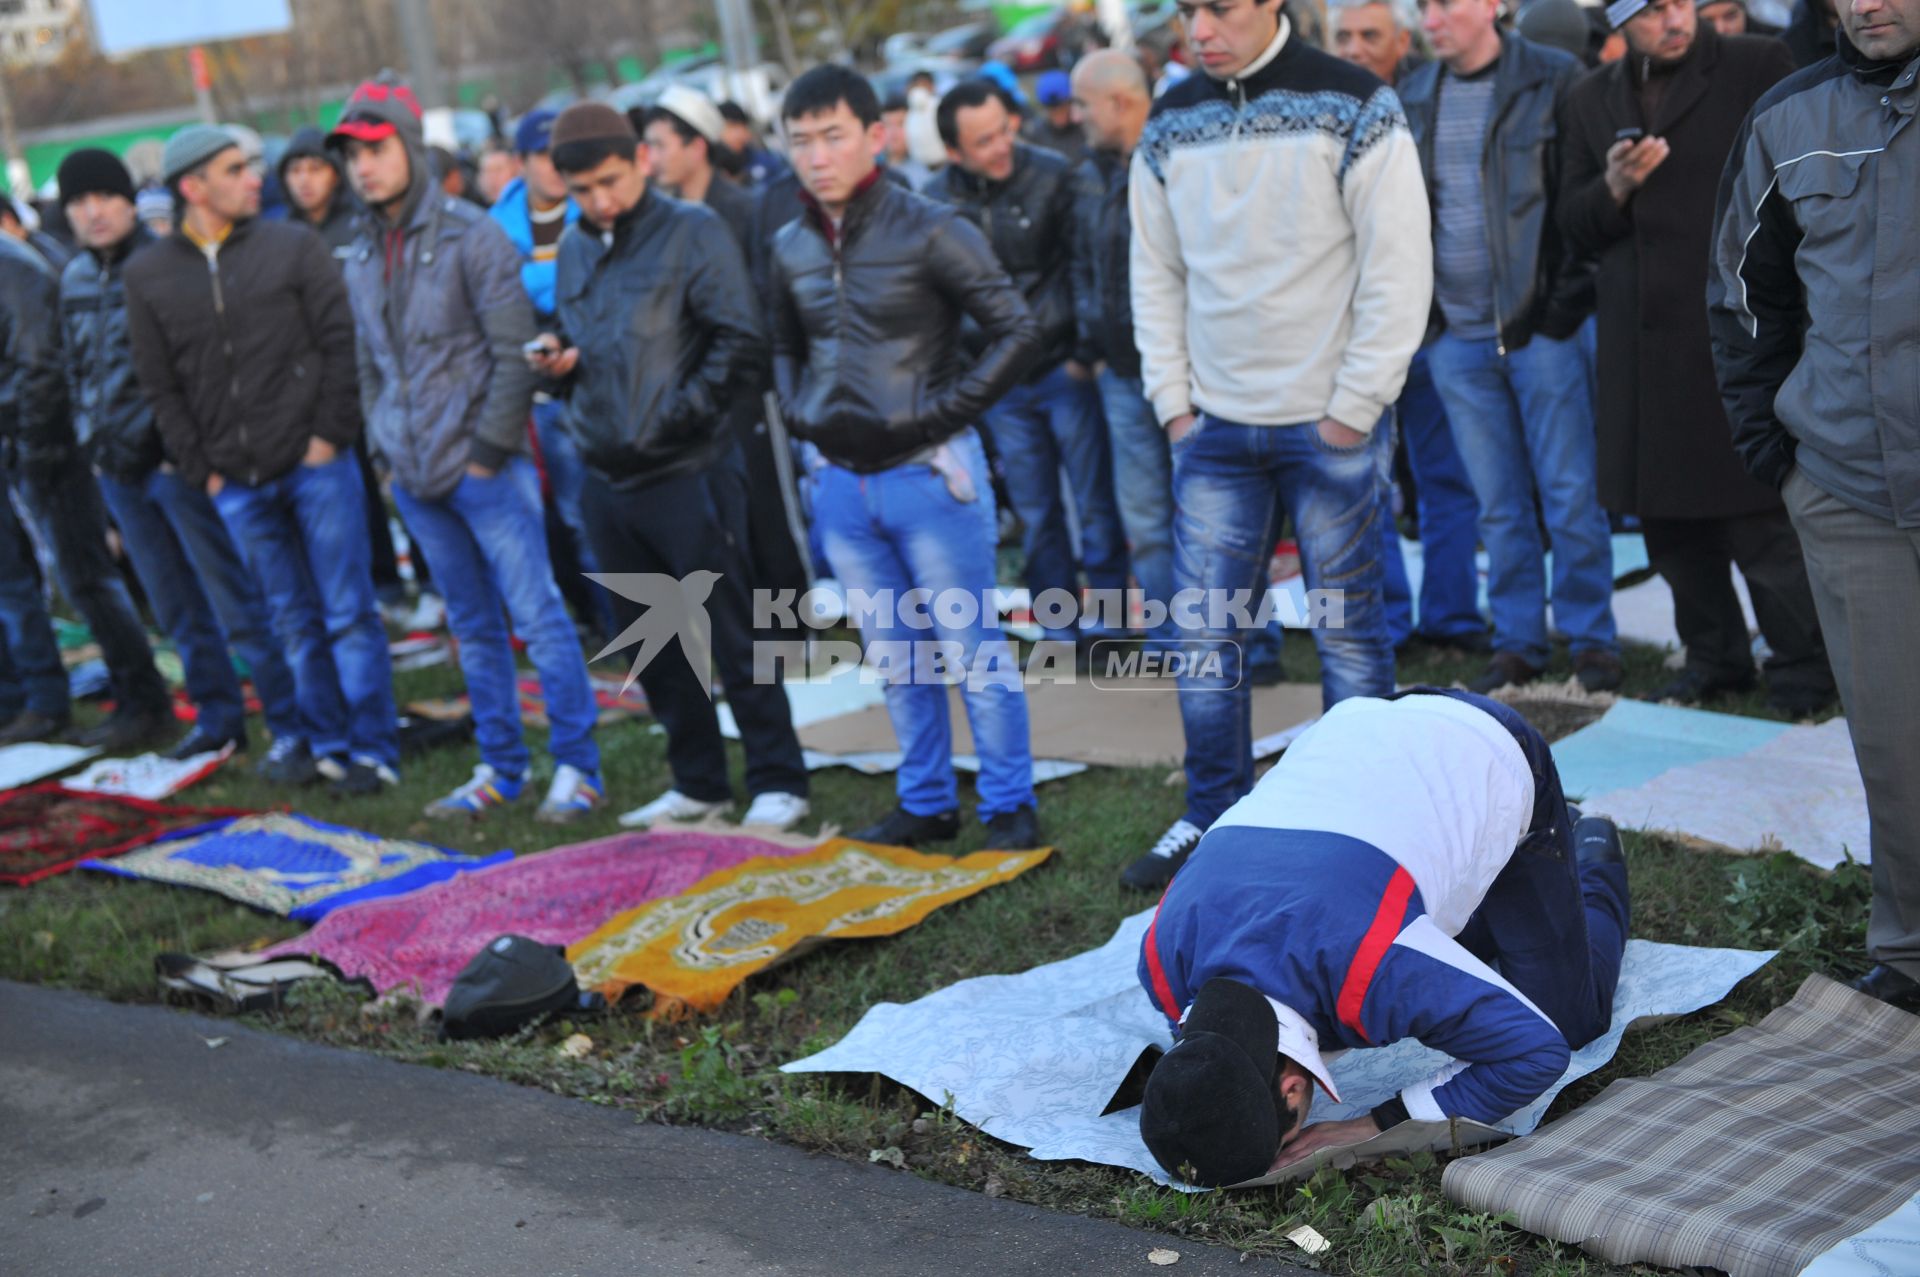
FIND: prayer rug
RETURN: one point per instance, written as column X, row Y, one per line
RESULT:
column 1043, row 1058
column 1635, row 742
column 147, row 776
column 292, row 865
column 48, row 829
column 694, row 949
column 424, row 938
column 1754, row 1156
column 1800, row 791
column 614, row 704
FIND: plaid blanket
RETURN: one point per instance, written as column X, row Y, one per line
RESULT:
column 1754, row 1155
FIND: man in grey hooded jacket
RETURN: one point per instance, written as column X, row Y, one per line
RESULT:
column 442, row 319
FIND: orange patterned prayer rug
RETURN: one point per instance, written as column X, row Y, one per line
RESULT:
column 694, row 949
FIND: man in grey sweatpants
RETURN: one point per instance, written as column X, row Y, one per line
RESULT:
column 1815, row 310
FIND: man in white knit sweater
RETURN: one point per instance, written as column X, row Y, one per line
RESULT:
column 1282, row 273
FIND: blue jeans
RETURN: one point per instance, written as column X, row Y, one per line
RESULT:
column 1041, row 428
column 487, row 542
column 1143, row 485
column 566, row 480
column 1226, row 479
column 203, row 598
column 901, row 530
column 304, row 535
column 1448, row 512
column 31, row 675
column 1524, row 423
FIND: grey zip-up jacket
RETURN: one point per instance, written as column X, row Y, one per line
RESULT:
column 1814, row 298
column 441, row 318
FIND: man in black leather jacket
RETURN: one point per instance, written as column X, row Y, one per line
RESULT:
column 51, row 477
column 660, row 330
column 1022, row 197
column 870, row 286
column 1510, row 360
column 196, row 582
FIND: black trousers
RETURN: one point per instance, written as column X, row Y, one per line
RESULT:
column 678, row 526
column 772, row 550
column 1693, row 555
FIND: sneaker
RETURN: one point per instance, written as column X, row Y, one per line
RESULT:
column 572, row 794
column 901, row 828
column 486, row 790
column 365, row 777
column 1598, row 671
column 204, row 742
column 1016, row 830
column 130, row 731
column 288, row 762
column 1506, row 669
column 676, row 806
column 429, row 613
column 773, row 810
column 31, row 724
column 1153, row 871
column 331, row 767
column 1692, row 686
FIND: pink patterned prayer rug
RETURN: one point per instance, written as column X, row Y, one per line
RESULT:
column 423, row 938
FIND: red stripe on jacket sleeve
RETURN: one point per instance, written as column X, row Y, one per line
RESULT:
column 1162, row 989
column 1373, row 948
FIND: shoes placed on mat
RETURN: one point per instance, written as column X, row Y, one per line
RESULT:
column 1892, row 987
column 901, row 828
column 1505, row 669
column 1016, row 830
column 1153, row 871
column 1596, row 841
column 429, row 613
column 288, row 762
column 571, row 795
column 1598, row 671
column 365, row 777
column 130, row 731
column 1800, row 702
column 674, row 806
column 1691, row 686
column 331, row 767
column 482, row 792
column 31, row 724
column 774, row 810
column 204, row 742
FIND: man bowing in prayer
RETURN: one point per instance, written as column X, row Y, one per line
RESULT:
column 1410, row 869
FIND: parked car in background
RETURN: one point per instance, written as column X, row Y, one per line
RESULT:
column 902, row 46
column 968, row 42
column 1032, row 44
column 759, row 89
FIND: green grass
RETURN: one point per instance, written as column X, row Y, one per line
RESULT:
column 100, row 934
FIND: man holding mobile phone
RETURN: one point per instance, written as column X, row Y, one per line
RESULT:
column 1643, row 143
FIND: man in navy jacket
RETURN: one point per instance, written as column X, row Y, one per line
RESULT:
column 1365, row 892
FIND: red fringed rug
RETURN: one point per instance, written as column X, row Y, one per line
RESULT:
column 45, row 829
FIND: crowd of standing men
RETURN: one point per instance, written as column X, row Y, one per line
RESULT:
column 1677, row 287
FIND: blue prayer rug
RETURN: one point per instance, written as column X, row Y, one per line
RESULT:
column 293, row 865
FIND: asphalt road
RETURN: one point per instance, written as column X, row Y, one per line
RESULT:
column 128, row 1145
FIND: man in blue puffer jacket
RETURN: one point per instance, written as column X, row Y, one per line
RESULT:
column 1365, row 892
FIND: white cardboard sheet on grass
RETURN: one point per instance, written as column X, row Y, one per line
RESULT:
column 36, row 760
column 847, row 690
column 1635, row 742
column 1034, row 1058
column 1800, row 791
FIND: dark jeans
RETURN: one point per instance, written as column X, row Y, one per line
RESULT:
column 1555, row 929
column 566, row 475
column 31, row 675
column 1692, row 554
column 304, row 534
column 67, row 510
column 1449, row 514
column 204, row 598
column 679, row 526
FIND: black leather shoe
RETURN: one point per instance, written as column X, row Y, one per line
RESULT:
column 31, row 724
column 1598, row 671
column 1800, row 702
column 1016, row 830
column 128, row 731
column 1891, row 987
column 199, row 742
column 901, row 828
column 1691, row 687
column 1597, row 842
column 1505, row 669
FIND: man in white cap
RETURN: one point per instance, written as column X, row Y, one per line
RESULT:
column 684, row 133
column 1365, row 892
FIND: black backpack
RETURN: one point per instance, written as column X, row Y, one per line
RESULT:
column 512, row 983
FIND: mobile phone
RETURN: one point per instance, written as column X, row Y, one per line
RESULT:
column 1631, row 133
column 540, row 346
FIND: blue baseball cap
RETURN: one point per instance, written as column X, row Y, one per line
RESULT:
column 535, row 132
column 1054, row 89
